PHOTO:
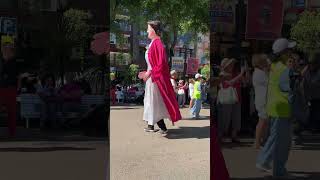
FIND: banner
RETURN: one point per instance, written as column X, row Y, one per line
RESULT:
column 192, row 66
column 177, row 64
column 8, row 25
column 264, row 19
column 222, row 15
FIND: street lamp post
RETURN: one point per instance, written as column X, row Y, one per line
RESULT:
column 185, row 50
column 61, row 7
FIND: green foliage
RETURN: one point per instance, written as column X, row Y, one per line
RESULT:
column 77, row 27
column 133, row 72
column 307, row 32
column 130, row 76
column 205, row 71
column 176, row 15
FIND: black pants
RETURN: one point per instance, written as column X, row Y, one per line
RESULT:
column 161, row 125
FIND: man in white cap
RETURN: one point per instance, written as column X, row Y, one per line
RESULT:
column 278, row 144
column 195, row 110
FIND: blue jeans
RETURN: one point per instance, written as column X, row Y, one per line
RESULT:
column 277, row 146
column 195, row 110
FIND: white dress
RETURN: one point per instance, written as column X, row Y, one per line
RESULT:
column 154, row 107
column 191, row 89
column 260, row 84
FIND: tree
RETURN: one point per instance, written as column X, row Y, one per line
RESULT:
column 205, row 71
column 178, row 16
column 133, row 72
column 307, row 32
column 72, row 31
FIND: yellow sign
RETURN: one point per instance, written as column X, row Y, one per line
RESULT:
column 7, row 40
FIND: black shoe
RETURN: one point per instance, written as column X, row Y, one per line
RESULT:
column 150, row 129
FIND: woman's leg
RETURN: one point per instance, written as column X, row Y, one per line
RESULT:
column 183, row 100
column 224, row 118
column 180, row 100
column 191, row 103
column 260, row 132
column 162, row 125
column 236, row 121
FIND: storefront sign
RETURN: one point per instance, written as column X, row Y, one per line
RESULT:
column 222, row 15
column 264, row 19
column 8, row 25
column 299, row 3
column 177, row 64
column 192, row 66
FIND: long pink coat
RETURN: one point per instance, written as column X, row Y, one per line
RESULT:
column 160, row 74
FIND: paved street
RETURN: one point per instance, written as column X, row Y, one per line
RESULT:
column 42, row 160
column 181, row 155
column 303, row 161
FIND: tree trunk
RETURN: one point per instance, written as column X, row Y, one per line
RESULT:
column 195, row 50
column 135, row 44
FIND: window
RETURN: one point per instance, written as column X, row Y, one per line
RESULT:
column 7, row 4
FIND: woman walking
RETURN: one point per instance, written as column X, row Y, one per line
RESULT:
column 160, row 99
column 191, row 90
column 260, row 83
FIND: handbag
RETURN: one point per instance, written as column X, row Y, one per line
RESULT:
column 227, row 95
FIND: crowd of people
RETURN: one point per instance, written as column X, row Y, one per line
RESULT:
column 192, row 93
column 285, row 99
column 65, row 99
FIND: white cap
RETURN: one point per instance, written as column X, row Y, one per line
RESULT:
column 282, row 44
column 198, row 76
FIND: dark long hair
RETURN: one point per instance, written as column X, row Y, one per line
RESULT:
column 156, row 26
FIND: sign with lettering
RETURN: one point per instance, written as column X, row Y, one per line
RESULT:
column 177, row 64
column 8, row 25
column 222, row 15
column 264, row 19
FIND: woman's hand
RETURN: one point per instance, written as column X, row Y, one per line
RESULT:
column 141, row 74
column 146, row 76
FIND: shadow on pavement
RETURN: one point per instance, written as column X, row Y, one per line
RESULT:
column 189, row 132
column 230, row 145
column 296, row 175
column 201, row 118
column 43, row 149
column 123, row 108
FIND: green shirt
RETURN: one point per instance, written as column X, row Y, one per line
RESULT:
column 197, row 90
column 277, row 100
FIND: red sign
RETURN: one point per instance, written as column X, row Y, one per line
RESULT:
column 192, row 66
column 264, row 19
